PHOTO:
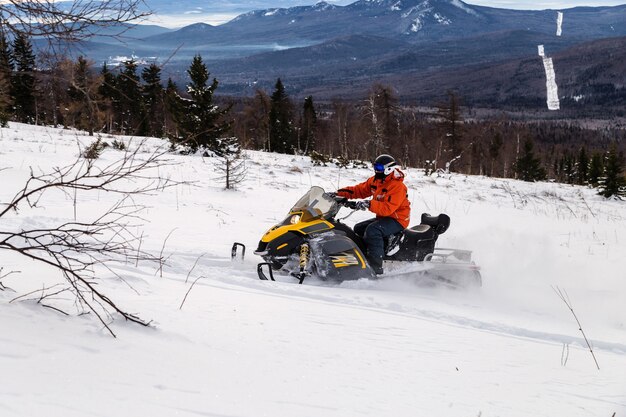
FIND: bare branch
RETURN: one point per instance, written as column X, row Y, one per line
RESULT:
column 55, row 309
column 4, row 275
column 85, row 175
column 80, row 249
column 194, row 266
column 565, row 298
column 161, row 260
column 71, row 21
column 188, row 291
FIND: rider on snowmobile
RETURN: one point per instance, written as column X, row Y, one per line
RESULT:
column 389, row 202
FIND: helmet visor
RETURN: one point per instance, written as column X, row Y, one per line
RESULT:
column 379, row 168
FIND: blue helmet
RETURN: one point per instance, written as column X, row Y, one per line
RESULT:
column 384, row 164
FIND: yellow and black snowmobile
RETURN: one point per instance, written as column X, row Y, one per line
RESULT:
column 310, row 241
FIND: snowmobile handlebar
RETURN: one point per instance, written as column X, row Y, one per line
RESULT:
column 343, row 201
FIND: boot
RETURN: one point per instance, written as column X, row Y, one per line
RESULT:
column 376, row 263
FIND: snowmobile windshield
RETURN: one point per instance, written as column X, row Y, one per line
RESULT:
column 314, row 204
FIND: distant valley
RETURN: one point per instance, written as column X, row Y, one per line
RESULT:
column 421, row 48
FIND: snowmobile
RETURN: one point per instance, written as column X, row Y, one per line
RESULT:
column 310, row 241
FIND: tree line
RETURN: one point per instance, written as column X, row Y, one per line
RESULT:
column 439, row 138
column 133, row 99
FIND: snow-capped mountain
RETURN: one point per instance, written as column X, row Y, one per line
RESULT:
column 321, row 6
column 426, row 35
column 414, row 21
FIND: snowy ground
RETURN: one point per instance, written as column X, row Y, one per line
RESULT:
column 241, row 347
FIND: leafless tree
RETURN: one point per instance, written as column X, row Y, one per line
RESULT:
column 376, row 141
column 341, row 113
column 69, row 21
column 82, row 250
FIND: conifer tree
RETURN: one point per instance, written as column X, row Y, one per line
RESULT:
column 202, row 122
column 6, row 57
column 494, row 150
column 23, row 80
column 527, row 166
column 153, row 96
column 108, row 96
column 172, row 109
column 233, row 164
column 309, row 125
column 582, row 166
column 281, row 121
column 569, row 173
column 595, row 170
column 6, row 69
column 613, row 182
column 130, row 107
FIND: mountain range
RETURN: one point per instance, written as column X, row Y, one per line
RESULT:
column 329, row 49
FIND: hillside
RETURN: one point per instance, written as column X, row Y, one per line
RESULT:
column 590, row 77
column 223, row 343
column 414, row 45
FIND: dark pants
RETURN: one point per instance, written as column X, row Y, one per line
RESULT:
column 374, row 232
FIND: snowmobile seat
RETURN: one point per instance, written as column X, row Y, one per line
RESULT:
column 418, row 241
column 440, row 223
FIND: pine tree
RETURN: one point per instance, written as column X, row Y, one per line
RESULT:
column 233, row 164
column 309, row 125
column 595, row 170
column 494, row 150
column 6, row 69
column 281, row 121
column 202, row 122
column 173, row 110
column 569, row 173
column 582, row 166
column 130, row 106
column 108, row 95
column 6, row 56
column 613, row 182
column 153, row 96
column 23, row 81
column 527, row 166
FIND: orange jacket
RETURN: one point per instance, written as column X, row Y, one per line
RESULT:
column 389, row 196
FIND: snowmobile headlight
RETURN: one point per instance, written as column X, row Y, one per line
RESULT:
column 295, row 219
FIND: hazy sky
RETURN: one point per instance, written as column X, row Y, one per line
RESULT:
column 221, row 11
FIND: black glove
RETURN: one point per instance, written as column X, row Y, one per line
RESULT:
column 332, row 194
column 362, row 205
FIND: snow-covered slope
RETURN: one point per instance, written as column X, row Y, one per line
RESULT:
column 242, row 347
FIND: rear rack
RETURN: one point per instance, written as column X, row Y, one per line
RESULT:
column 445, row 255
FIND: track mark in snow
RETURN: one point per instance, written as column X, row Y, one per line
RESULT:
column 315, row 294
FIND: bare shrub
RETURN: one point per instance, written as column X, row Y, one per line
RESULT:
column 80, row 250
